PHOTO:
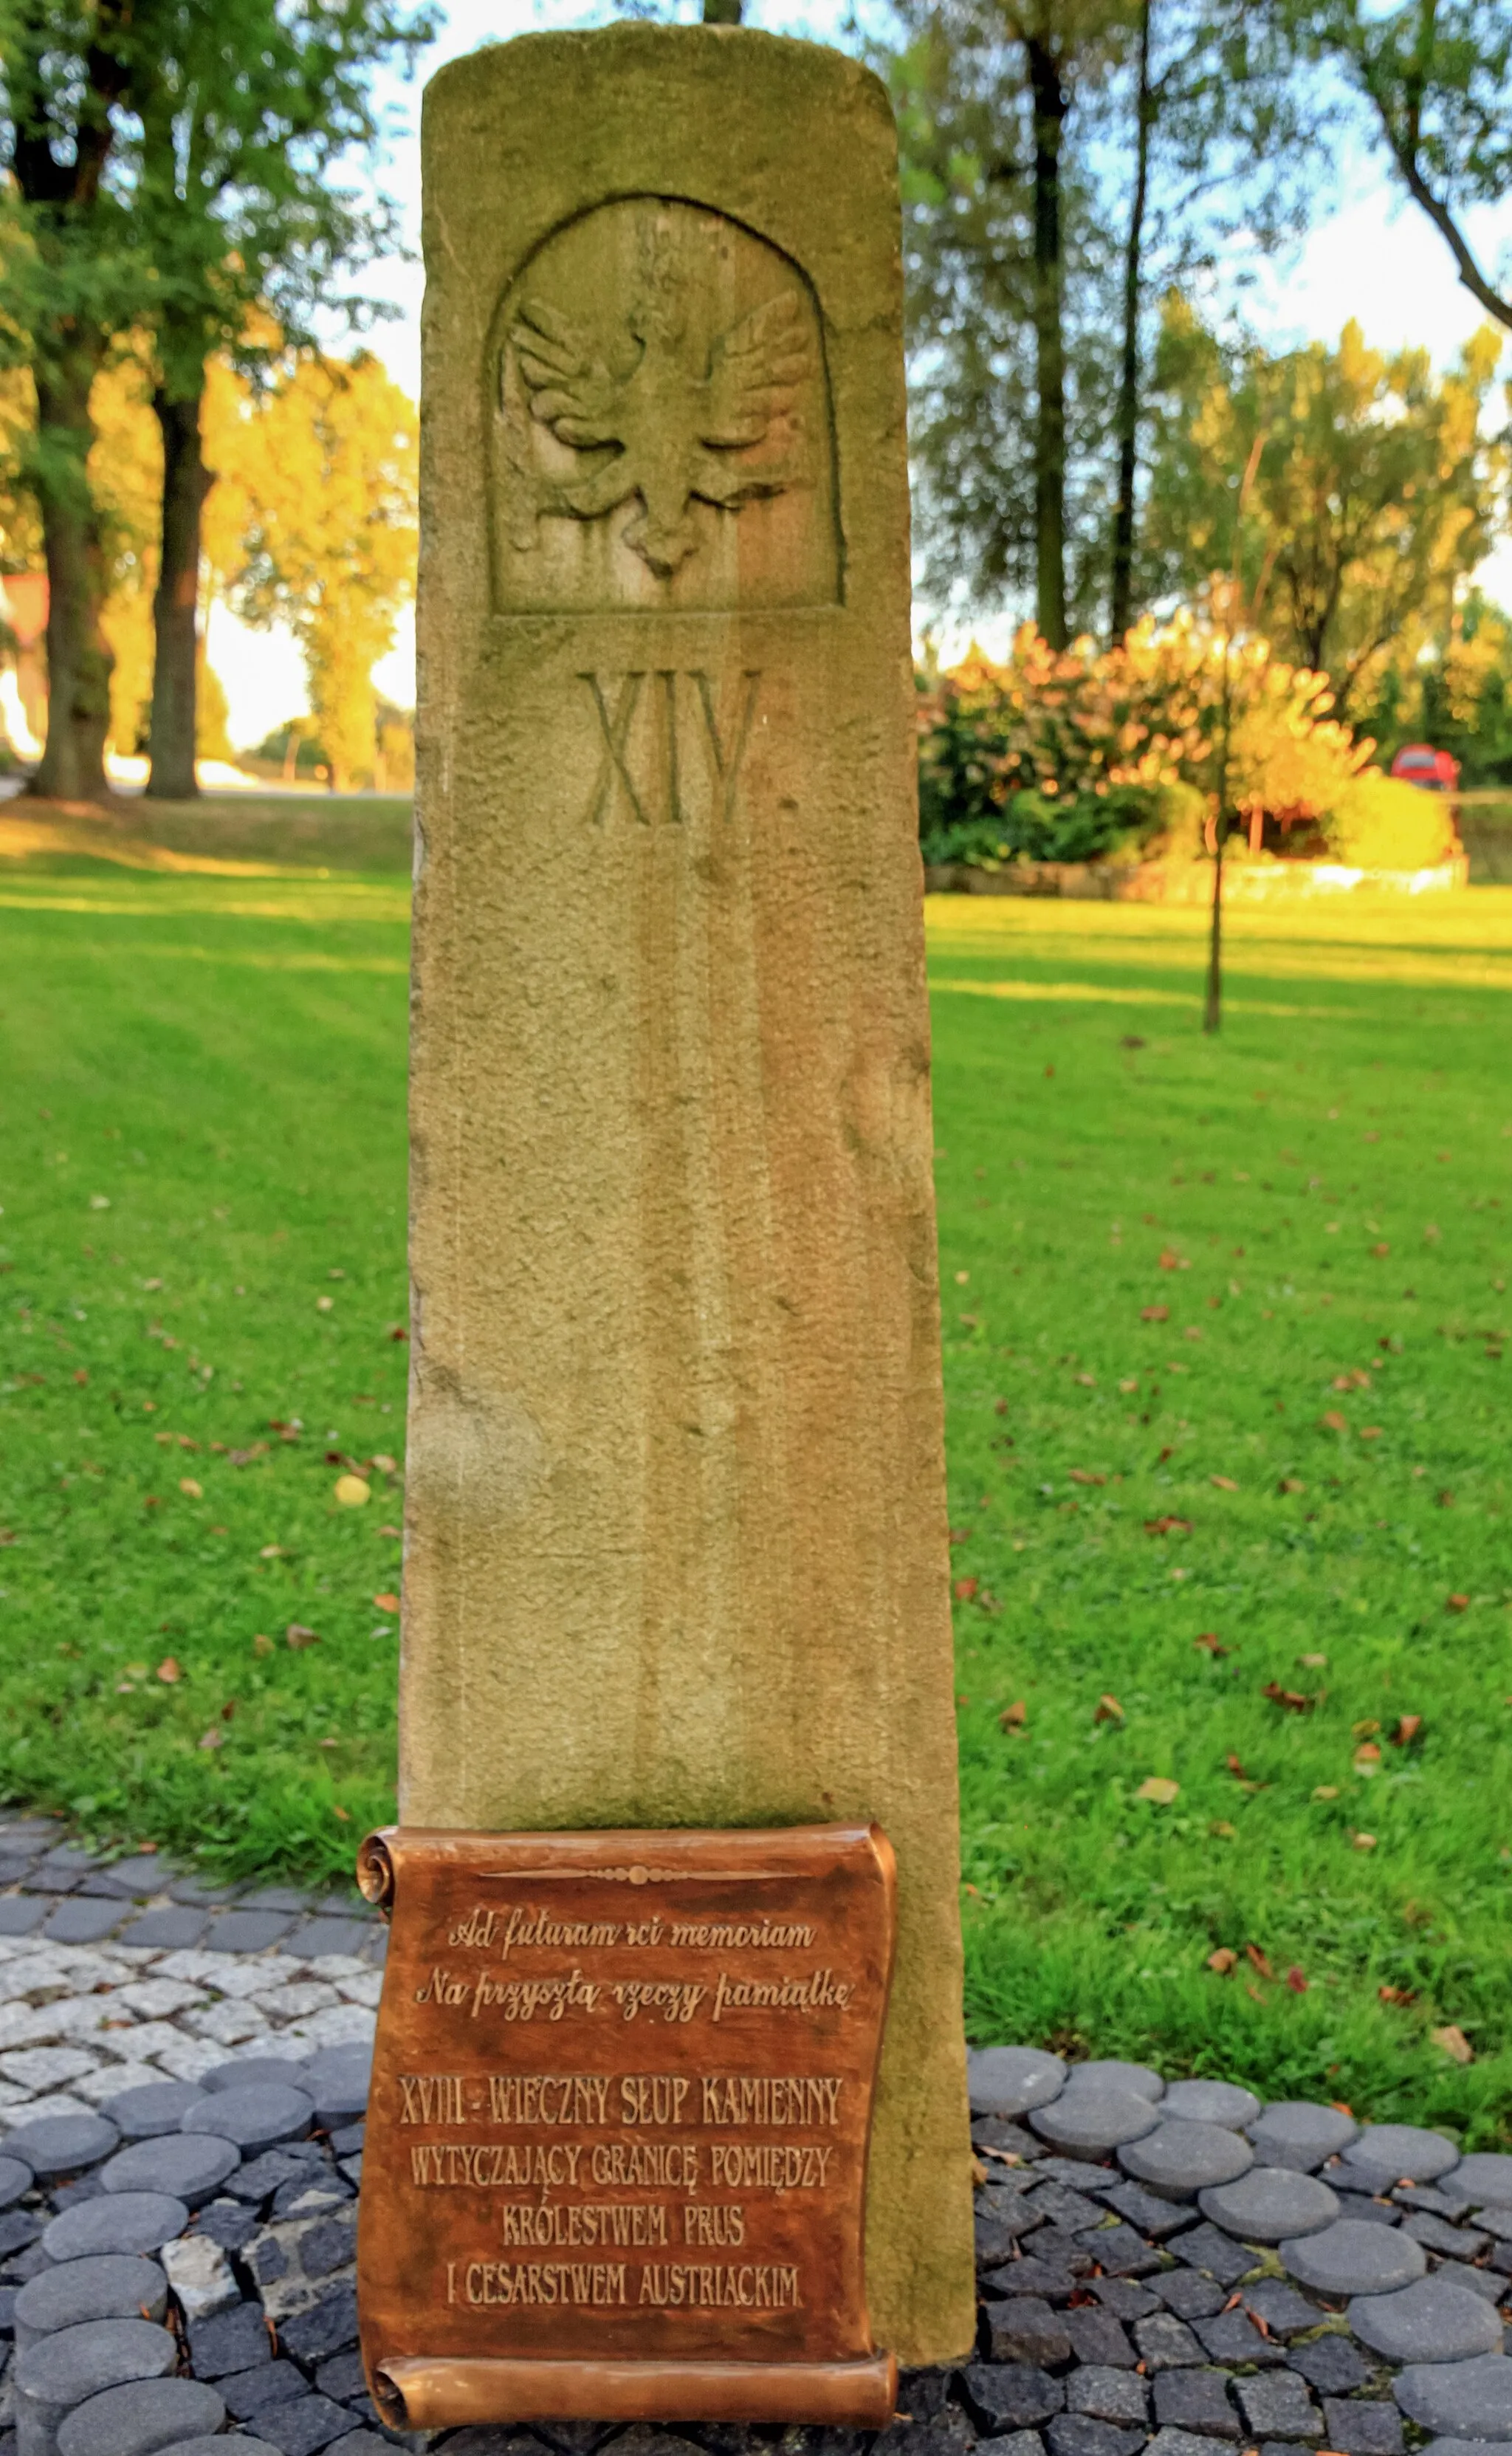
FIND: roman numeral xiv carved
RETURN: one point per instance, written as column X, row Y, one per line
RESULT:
column 644, row 761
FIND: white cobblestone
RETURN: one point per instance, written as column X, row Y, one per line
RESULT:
column 294, row 2002
column 228, row 2024
column 254, row 1974
column 35, row 2068
column 199, row 2274
column 274, row 2042
column 188, row 2057
column 29, row 2025
column 337, row 1966
column 157, row 1997
column 58, row 2102
column 138, row 2042
column 111, row 2078
column 186, row 1964
column 231, row 1974
column 365, row 1990
column 337, row 2027
column 29, row 1975
column 82, row 2017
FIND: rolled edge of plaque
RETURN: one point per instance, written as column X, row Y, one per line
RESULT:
column 708, row 2007
column 419, row 2395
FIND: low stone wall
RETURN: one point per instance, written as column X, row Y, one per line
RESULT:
column 1154, row 882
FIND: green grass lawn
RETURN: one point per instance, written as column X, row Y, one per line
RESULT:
column 1175, row 1253
column 1224, row 1331
column 201, row 1270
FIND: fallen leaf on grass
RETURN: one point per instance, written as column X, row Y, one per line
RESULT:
column 262, row 1644
column 1291, row 1484
column 1397, row 1995
column 1172, row 1261
column 1222, row 1831
column 1154, row 1313
column 1159, row 1789
column 1224, row 1483
column 169, row 1672
column 346, row 1813
column 1291, row 1700
column 1223, row 1961
column 1454, row 2042
column 1208, row 1643
column 1458, row 1604
column 296, row 1636
column 1253, row 1954
column 1371, row 1433
column 1296, row 1981
column 963, row 1590
column 1408, row 1727
column 214, row 1738
column 391, row 1603
column 1333, row 1423
column 1254, row 1992
column 1167, row 1525
column 1381, row 1251
column 396, row 1531
column 1326, row 1790
column 1367, row 1758
column 1365, row 1731
column 1364, row 1841
column 1014, row 1717
column 187, row 1484
column 351, row 1491
column 1085, row 1475
column 1236, row 1769
column 1446, row 1501
column 1109, row 1709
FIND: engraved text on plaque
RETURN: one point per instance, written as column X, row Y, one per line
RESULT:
column 616, row 2152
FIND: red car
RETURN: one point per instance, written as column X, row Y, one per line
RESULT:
column 1416, row 763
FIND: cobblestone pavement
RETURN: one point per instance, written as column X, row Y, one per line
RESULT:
column 183, row 2079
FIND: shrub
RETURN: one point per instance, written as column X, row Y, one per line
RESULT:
column 1065, row 755
column 1380, row 823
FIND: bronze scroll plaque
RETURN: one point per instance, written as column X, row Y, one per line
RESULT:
column 616, row 2153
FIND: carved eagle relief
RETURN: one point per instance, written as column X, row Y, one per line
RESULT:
column 659, row 419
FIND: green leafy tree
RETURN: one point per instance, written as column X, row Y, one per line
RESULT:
column 249, row 111
column 1062, row 168
column 71, row 275
column 173, row 162
column 1375, row 490
column 1436, row 78
column 1004, row 254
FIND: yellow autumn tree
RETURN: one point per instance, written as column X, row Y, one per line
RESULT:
column 126, row 476
column 312, row 524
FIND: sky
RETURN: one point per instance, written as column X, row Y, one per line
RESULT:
column 1375, row 257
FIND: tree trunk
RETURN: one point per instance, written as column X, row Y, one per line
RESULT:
column 79, row 658
column 1050, row 100
column 175, row 605
column 1121, row 607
